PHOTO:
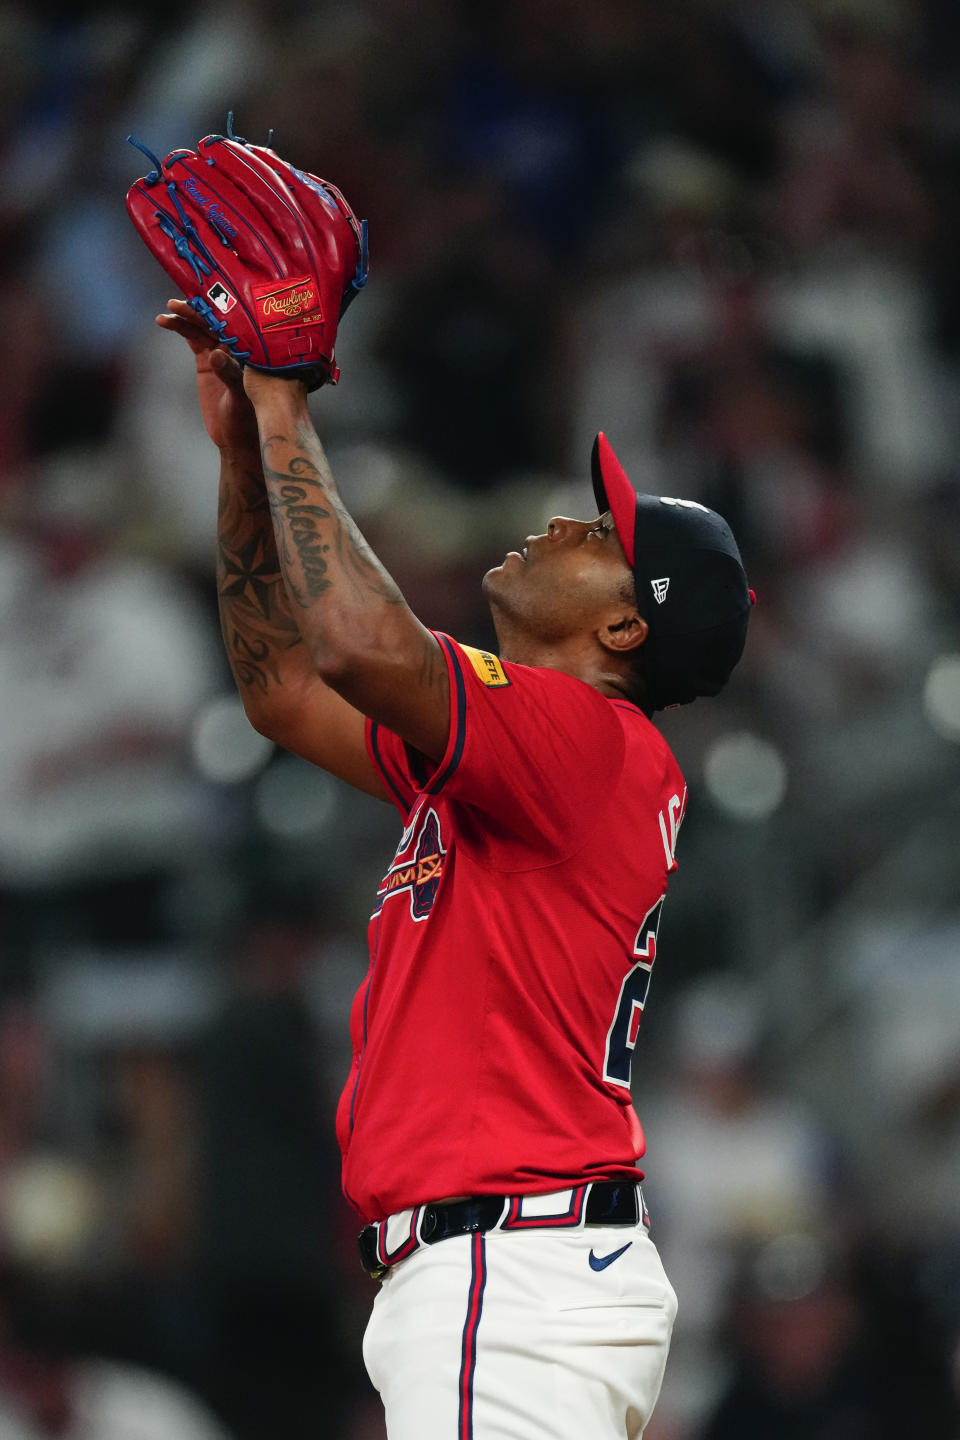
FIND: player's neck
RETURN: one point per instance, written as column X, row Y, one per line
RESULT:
column 574, row 656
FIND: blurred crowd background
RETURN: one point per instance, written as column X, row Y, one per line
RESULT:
column 725, row 232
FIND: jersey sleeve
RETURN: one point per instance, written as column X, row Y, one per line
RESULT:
column 394, row 762
column 533, row 753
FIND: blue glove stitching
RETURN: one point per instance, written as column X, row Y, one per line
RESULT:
column 182, row 245
column 206, row 311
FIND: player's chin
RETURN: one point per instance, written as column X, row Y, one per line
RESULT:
column 511, row 564
column 499, row 581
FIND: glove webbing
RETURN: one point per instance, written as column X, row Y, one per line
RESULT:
column 206, row 311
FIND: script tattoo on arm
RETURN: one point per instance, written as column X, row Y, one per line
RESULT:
column 319, row 544
column 361, row 636
column 262, row 640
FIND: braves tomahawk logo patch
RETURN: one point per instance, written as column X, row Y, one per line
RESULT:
column 417, row 867
column 660, row 588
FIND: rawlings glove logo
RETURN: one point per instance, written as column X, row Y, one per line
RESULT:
column 293, row 304
column 297, row 300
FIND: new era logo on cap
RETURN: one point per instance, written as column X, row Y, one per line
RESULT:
column 695, row 640
column 686, row 504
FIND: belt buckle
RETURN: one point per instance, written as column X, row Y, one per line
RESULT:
column 369, row 1259
column 608, row 1197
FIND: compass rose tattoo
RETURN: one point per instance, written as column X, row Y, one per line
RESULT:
column 255, row 613
column 251, row 573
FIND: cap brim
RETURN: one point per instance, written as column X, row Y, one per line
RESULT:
column 614, row 492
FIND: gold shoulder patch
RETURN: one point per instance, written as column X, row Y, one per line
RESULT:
column 487, row 666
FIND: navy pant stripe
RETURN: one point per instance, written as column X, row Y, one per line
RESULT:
column 468, row 1351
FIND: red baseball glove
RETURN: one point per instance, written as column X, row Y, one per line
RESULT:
column 269, row 256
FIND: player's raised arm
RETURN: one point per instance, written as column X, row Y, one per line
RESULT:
column 282, row 694
column 270, row 257
column 363, row 639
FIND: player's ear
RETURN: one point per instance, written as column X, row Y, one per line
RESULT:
column 623, row 632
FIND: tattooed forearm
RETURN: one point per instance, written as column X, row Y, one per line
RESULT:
column 262, row 640
column 362, row 638
column 362, row 566
column 319, row 545
column 252, row 660
column 302, row 524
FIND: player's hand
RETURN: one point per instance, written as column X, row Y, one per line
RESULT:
column 227, row 413
column 262, row 388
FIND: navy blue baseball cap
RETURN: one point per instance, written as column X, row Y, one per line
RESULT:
column 691, row 586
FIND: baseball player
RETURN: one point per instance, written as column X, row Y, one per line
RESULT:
column 488, row 1136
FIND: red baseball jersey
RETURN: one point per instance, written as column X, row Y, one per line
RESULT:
column 510, row 945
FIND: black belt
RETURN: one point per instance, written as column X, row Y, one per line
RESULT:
column 606, row 1202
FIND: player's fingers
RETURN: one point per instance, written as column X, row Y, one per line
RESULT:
column 227, row 369
column 176, row 306
column 179, row 311
column 180, row 317
column 170, row 322
column 191, row 330
column 184, row 320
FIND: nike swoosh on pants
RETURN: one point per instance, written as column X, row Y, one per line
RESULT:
column 600, row 1262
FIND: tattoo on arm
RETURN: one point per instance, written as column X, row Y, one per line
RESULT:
column 259, row 631
column 318, row 542
column 358, row 632
column 302, row 528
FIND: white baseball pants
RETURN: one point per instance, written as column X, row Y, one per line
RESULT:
column 518, row 1335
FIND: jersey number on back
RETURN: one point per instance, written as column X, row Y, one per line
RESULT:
column 622, row 1035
